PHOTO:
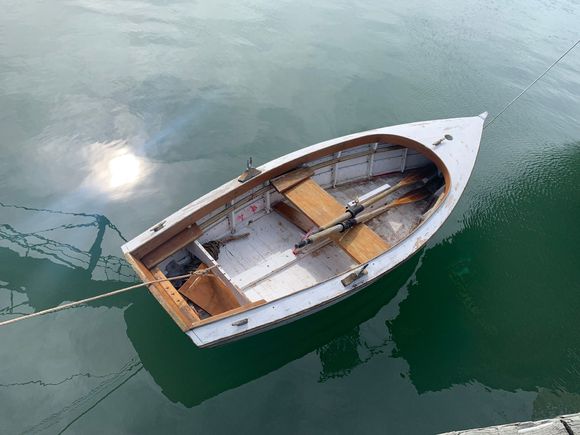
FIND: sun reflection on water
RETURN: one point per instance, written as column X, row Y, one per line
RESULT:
column 124, row 170
column 115, row 170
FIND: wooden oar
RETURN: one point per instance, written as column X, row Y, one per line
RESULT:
column 413, row 196
column 424, row 175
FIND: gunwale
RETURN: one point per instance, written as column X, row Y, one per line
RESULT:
column 196, row 210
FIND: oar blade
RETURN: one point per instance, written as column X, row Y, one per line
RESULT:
column 412, row 196
column 416, row 176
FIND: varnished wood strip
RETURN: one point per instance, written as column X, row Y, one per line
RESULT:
column 315, row 202
column 171, row 246
column 294, row 216
column 362, row 243
column 231, row 312
column 184, row 319
column 248, row 199
column 170, row 292
column 291, row 179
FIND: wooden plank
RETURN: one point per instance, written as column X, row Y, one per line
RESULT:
column 201, row 253
column 291, row 179
column 171, row 246
column 184, row 317
column 209, row 292
column 231, row 312
column 294, row 216
column 362, row 243
column 170, row 294
column 315, row 202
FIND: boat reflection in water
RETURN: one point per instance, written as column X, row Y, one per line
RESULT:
column 190, row 375
column 477, row 329
column 56, row 254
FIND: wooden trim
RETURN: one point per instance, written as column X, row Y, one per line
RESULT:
column 167, row 296
column 171, row 246
column 291, row 179
column 230, row 313
column 205, row 225
column 238, row 189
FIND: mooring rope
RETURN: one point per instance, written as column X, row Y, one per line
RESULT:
column 104, row 295
column 531, row 84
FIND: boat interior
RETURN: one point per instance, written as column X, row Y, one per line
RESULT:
column 246, row 244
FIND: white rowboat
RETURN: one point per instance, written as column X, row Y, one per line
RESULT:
column 243, row 234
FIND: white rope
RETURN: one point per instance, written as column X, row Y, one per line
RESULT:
column 531, row 84
column 105, row 295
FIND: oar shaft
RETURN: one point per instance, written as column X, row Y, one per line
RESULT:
column 424, row 176
column 346, row 224
column 372, row 200
column 363, row 204
column 362, row 218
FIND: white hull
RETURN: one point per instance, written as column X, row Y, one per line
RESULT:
column 457, row 157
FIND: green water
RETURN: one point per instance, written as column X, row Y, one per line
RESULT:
column 115, row 114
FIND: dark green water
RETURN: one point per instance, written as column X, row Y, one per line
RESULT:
column 122, row 112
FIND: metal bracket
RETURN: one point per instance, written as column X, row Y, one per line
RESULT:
column 355, row 276
column 440, row 141
column 158, row 226
column 249, row 173
column 240, row 322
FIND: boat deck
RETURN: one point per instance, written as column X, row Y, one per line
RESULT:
column 264, row 267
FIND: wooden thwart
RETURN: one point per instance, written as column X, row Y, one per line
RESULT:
column 360, row 242
column 209, row 292
column 291, row 179
column 316, row 203
column 171, row 246
column 294, row 216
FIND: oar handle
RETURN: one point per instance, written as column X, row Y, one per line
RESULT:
column 338, row 228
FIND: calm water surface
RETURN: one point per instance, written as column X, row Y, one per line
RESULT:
column 113, row 114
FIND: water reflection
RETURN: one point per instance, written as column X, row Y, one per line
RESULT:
column 114, row 169
column 190, row 375
column 463, row 322
column 66, row 416
column 47, row 257
column 32, row 262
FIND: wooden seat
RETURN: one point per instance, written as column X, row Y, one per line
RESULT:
column 209, row 292
column 360, row 242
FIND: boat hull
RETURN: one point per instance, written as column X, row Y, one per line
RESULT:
column 455, row 158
